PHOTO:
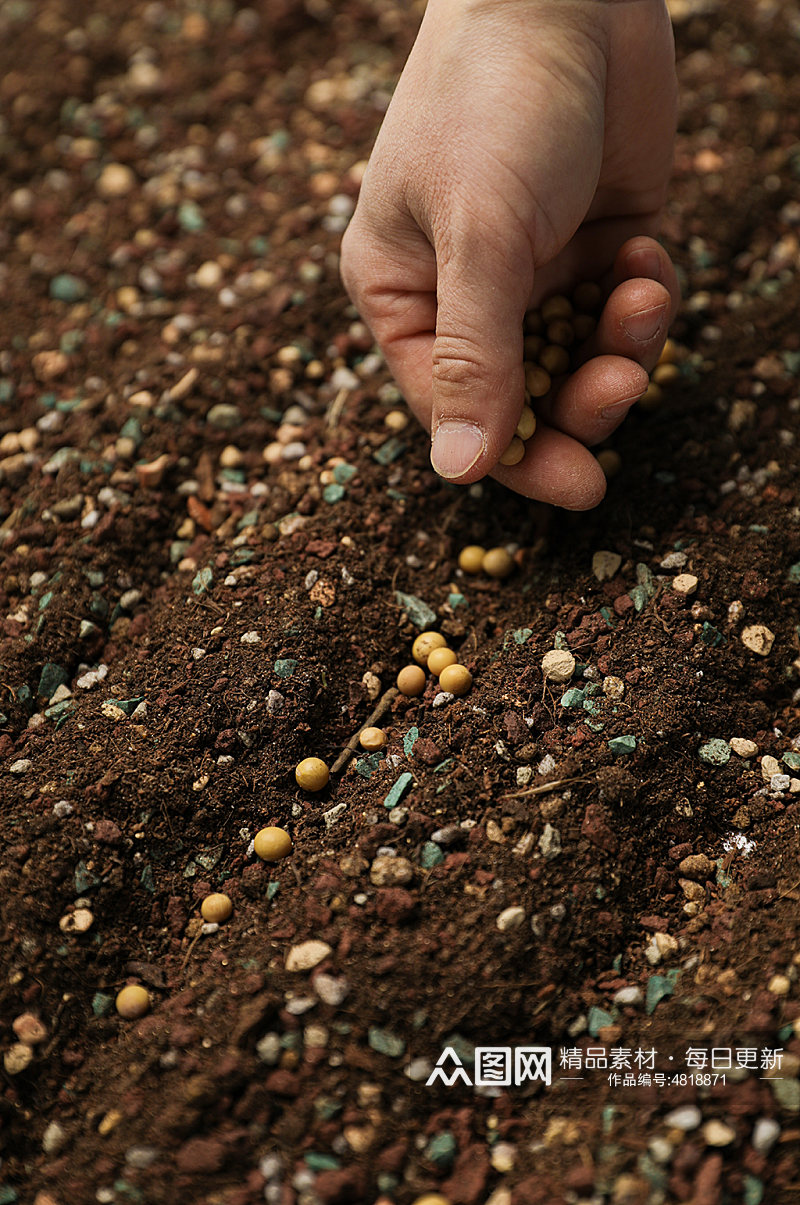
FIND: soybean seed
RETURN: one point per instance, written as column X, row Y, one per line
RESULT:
column 216, row 908
column 587, row 296
column 440, row 659
column 533, row 324
column 271, row 844
column 537, row 381
column 527, row 423
column 470, row 559
column 424, row 645
column 514, row 452
column 554, row 360
column 556, row 307
column 584, row 325
column 561, row 332
column 455, row 679
column 610, row 462
column 411, row 681
column 133, row 1001
column 497, row 562
column 531, row 346
column 311, row 774
column 666, row 373
column 372, row 739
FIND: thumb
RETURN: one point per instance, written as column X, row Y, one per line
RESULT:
column 478, row 383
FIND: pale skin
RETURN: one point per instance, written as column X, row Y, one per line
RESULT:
column 527, row 147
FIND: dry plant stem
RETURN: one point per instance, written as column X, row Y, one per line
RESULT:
column 336, row 407
column 352, row 745
column 544, row 788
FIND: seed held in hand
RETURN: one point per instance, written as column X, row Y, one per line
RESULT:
column 554, row 360
column 527, row 423
column 470, row 559
column 133, row 1001
column 514, row 452
column 216, row 908
column 424, row 645
column 455, row 679
column 372, row 739
column 411, row 680
column 440, row 659
column 311, row 774
column 497, row 562
column 271, row 844
column 537, row 381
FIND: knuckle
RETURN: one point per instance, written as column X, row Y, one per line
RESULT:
column 457, row 362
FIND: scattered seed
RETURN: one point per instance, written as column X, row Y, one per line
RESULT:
column 497, row 562
column 470, row 559
column 411, row 681
column 133, row 1001
column 271, row 844
column 424, row 645
column 372, row 739
column 216, row 908
column 455, row 679
column 312, row 774
column 440, row 658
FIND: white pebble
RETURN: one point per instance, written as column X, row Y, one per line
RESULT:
column 558, row 665
column 444, row 696
column 53, row 1138
column 63, row 808
column 674, row 560
column 759, row 639
column 628, row 995
column 742, row 747
column 510, row 919
column 307, row 955
column 685, row 584
column 765, row 1134
column 687, row 1117
column 605, row 564
column 779, row 782
column 717, row 1133
column 250, row 638
column 22, row 766
column 613, row 688
column 331, row 989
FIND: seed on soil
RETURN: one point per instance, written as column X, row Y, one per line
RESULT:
column 411, row 681
column 372, row 739
column 514, row 452
column 423, row 646
column 497, row 562
column 312, row 774
column 558, row 665
column 216, row 908
column 527, row 423
column 455, row 679
column 440, row 658
column 272, row 843
column 470, row 559
column 133, row 1001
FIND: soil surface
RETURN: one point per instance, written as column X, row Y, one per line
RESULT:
column 220, row 539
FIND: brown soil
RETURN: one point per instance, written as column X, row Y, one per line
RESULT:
column 244, row 131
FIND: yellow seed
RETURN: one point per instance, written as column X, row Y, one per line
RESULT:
column 610, row 462
column 652, row 397
column 531, row 346
column 587, row 296
column 440, row 659
column 216, row 908
column 470, row 559
column 527, row 423
column 424, row 645
column 554, row 360
column 431, row 1198
column 396, row 420
column 556, row 307
column 133, row 1001
column 514, row 452
column 411, row 681
column 666, row 374
column 271, row 844
column 669, row 352
column 372, row 739
column 584, row 325
column 455, row 679
column 533, row 324
column 537, row 381
column 311, row 774
column 560, row 331
column 497, row 562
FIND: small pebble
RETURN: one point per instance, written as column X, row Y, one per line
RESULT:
column 372, row 739
column 685, row 584
column 717, row 1133
column 411, row 681
column 424, row 645
column 455, row 679
column 312, row 774
column 306, row 955
column 470, row 559
column 133, row 1001
column 216, row 908
column 605, row 565
column 766, row 1132
column 29, row 1029
column 510, row 919
column 271, row 844
column 759, row 639
column 497, row 562
column 17, row 1058
column 742, row 747
column 687, row 1117
column 779, row 985
column 558, row 665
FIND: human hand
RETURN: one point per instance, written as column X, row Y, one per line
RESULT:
column 527, row 147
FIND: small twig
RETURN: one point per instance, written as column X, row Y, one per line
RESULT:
column 336, row 407
column 383, row 706
column 545, row 787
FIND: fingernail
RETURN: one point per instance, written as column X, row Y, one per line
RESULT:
column 644, row 262
column 645, row 324
column 456, row 446
column 615, row 409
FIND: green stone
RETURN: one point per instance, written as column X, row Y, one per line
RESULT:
column 792, row 760
column 658, row 986
column 753, row 1191
column 786, row 1093
column 573, row 697
column 456, row 600
column 8, row 1194
column 102, row 1004
column 398, row 790
column 342, row 473
column 202, row 580
column 190, row 217
column 224, row 416
column 51, row 678
column 442, row 1150
column 66, row 287
column 409, row 740
column 421, row 615
column 132, row 429
column 598, row 1019
column 794, row 574
column 385, row 1042
column 390, row 451
column 522, row 635
column 366, row 766
column 461, row 1046
column 430, row 855
column 715, row 752
column 711, row 635
column 333, row 492
column 318, row 1161
column 285, row 667
column 622, row 744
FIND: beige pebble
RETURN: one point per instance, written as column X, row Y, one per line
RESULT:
column 29, row 1029
column 605, row 564
column 743, row 747
column 558, row 665
column 79, row 921
column 17, row 1058
column 390, row 871
column 779, row 985
column 396, row 420
column 510, row 919
column 116, row 180
column 759, row 639
column 612, row 687
column 152, row 473
column 684, row 583
column 306, row 955
column 717, row 1133
column 769, row 767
